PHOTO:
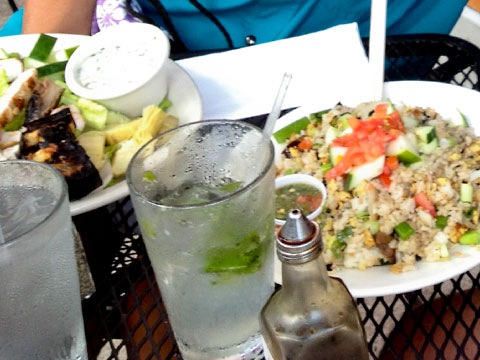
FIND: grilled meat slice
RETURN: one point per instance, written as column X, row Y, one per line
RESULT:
column 51, row 140
column 382, row 240
column 17, row 96
column 46, row 96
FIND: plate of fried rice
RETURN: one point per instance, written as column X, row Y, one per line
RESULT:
column 403, row 182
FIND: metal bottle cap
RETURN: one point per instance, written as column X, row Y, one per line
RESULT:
column 299, row 240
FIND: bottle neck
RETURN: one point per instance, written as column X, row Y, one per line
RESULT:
column 309, row 274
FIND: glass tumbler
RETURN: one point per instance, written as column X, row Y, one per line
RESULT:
column 203, row 194
column 40, row 310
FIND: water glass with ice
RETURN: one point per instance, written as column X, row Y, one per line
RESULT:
column 203, row 194
column 40, row 309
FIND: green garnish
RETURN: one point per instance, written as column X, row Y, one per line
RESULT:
column 112, row 182
column 17, row 121
column 404, row 230
column 294, row 128
column 470, row 238
column 468, row 214
column 242, row 258
column 372, row 226
column 325, row 167
column 362, row 215
column 318, row 116
column 149, row 176
column 110, row 151
column 147, row 228
column 337, row 244
column 344, row 234
column 165, row 104
column 289, row 172
column 441, row 222
column 231, row 187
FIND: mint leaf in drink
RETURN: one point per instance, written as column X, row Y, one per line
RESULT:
column 149, row 176
column 242, row 258
column 231, row 187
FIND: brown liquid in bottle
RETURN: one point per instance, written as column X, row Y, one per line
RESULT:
column 312, row 316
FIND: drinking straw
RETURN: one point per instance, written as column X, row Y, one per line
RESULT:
column 2, row 239
column 376, row 48
column 277, row 105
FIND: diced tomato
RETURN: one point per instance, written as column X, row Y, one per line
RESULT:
column 353, row 122
column 395, row 121
column 368, row 140
column 422, row 201
column 381, row 110
column 305, row 144
column 386, row 170
column 391, row 162
column 385, row 180
column 314, row 200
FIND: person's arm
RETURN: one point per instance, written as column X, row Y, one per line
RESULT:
column 54, row 16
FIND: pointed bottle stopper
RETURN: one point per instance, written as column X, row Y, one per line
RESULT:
column 299, row 240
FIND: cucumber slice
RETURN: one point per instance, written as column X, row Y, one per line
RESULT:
column 336, row 154
column 347, row 131
column 459, row 119
column 51, row 68
column 466, row 192
column 364, row 172
column 404, row 150
column 428, row 148
column 343, row 120
column 61, row 55
column 409, row 122
column 426, row 133
column 43, row 47
column 30, row 63
column 330, row 135
column 294, row 128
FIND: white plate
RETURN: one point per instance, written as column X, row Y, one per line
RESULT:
column 379, row 281
column 182, row 92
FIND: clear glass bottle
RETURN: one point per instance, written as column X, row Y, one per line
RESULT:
column 312, row 316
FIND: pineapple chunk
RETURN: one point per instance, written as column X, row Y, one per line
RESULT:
column 123, row 155
column 117, row 133
column 93, row 142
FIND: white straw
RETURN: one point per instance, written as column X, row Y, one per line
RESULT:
column 376, row 53
column 277, row 105
column 2, row 239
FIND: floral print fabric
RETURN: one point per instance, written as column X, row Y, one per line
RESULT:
column 112, row 12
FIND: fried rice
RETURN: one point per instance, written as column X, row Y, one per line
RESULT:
column 349, row 240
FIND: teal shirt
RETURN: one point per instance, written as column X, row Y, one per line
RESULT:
column 269, row 20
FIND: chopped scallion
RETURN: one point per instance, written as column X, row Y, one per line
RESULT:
column 404, row 230
column 441, row 222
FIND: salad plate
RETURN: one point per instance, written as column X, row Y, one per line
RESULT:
column 379, row 280
column 182, row 93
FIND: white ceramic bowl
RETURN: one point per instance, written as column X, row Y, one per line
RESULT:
column 305, row 179
column 121, row 67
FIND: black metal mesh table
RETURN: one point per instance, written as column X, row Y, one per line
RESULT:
column 126, row 317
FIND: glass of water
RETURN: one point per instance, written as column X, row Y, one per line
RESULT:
column 40, row 310
column 203, row 194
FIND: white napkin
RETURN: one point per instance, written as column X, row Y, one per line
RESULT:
column 329, row 64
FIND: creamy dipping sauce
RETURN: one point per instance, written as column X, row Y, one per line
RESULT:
column 118, row 66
